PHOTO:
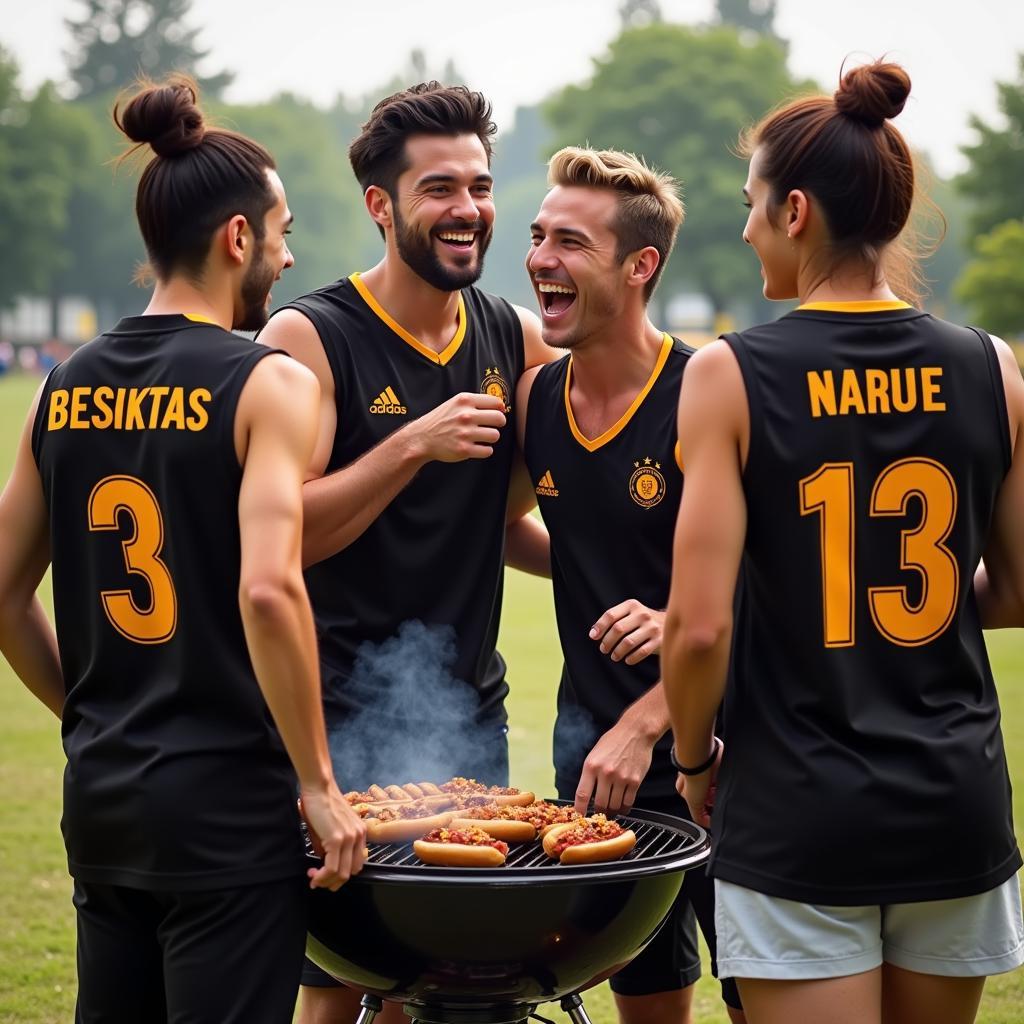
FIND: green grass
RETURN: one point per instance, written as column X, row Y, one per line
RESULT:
column 37, row 968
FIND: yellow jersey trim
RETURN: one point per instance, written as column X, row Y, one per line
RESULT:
column 200, row 319
column 857, row 306
column 617, row 428
column 679, row 457
column 442, row 357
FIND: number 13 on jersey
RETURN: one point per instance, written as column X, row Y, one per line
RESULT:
column 829, row 493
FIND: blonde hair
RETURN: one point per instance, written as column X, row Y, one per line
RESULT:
column 650, row 208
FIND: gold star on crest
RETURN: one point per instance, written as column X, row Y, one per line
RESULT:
column 636, row 465
column 647, row 461
column 657, row 465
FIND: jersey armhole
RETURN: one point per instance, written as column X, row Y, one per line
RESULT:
column 999, row 393
column 330, row 351
column 232, row 396
column 755, row 407
column 40, row 418
column 533, row 404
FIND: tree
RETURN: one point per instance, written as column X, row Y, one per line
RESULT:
column 36, row 171
column 637, row 13
column 939, row 221
column 995, row 178
column 752, row 15
column 117, row 40
column 680, row 96
column 101, row 237
column 992, row 284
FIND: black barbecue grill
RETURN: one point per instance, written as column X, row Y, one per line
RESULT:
column 488, row 945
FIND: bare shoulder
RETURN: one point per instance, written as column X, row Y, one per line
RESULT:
column 279, row 389
column 535, row 352
column 713, row 402
column 523, row 389
column 297, row 335
column 283, row 377
column 1007, row 360
column 525, row 385
column 1013, row 383
column 287, row 328
column 714, row 366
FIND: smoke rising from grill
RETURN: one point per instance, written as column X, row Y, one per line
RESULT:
column 414, row 721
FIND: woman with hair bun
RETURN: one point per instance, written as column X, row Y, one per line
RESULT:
column 859, row 466
column 161, row 469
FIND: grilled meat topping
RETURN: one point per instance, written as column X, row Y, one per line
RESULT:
column 462, row 786
column 588, row 830
column 471, row 836
column 538, row 814
column 403, row 812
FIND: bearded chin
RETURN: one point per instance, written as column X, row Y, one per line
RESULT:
column 256, row 287
column 418, row 254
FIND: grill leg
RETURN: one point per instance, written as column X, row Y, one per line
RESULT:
column 371, row 1006
column 572, row 1006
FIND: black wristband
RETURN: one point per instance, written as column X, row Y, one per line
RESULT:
column 716, row 746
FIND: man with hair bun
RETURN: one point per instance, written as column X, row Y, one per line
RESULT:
column 408, row 487
column 597, row 430
column 161, row 469
column 851, row 463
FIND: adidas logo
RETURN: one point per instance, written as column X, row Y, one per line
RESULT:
column 546, row 486
column 388, row 402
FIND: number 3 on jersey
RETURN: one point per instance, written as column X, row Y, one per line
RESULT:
column 155, row 624
column 830, row 493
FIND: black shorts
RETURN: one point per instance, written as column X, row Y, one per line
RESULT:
column 672, row 960
column 490, row 766
column 225, row 956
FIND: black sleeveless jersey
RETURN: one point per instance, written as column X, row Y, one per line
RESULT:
column 610, row 506
column 176, row 777
column 436, row 553
column 865, row 762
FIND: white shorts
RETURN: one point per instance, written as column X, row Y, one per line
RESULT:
column 763, row 936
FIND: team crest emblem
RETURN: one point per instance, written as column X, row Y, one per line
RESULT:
column 647, row 485
column 494, row 384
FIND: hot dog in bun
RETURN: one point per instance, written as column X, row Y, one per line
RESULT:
column 588, row 841
column 462, row 847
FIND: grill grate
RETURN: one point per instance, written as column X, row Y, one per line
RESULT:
column 662, row 843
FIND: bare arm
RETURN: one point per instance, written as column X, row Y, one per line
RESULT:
column 706, row 556
column 26, row 636
column 275, row 429
column 340, row 506
column 621, row 758
column 999, row 583
column 527, row 544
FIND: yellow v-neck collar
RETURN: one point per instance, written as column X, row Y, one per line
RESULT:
column 857, row 306
column 616, row 428
column 441, row 358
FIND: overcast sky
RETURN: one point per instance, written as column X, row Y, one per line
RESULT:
column 517, row 51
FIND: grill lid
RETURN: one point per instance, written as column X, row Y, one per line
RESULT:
column 663, row 843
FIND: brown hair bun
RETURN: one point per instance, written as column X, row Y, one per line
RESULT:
column 165, row 116
column 873, row 93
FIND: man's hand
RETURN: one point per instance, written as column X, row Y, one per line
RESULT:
column 699, row 791
column 465, row 427
column 338, row 835
column 614, row 769
column 629, row 632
